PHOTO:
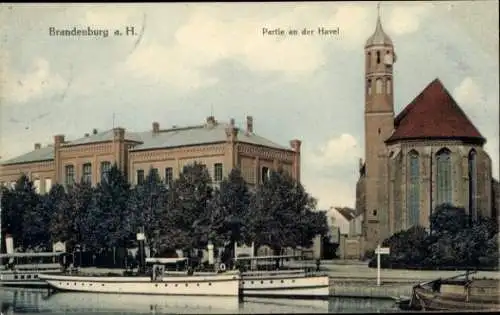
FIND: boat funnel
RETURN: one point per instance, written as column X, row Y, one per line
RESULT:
column 9, row 244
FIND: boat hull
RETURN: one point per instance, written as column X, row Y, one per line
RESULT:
column 435, row 301
column 24, row 278
column 220, row 285
column 286, row 286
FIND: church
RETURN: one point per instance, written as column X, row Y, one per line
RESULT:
column 427, row 155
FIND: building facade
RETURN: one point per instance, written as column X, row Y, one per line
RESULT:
column 429, row 154
column 219, row 146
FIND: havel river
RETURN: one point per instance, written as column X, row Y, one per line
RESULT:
column 30, row 301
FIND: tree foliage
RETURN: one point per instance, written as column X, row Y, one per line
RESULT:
column 188, row 215
column 455, row 241
column 282, row 214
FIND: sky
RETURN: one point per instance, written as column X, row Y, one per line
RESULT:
column 188, row 60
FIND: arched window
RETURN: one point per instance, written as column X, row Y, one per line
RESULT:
column 472, row 184
column 369, row 87
column 443, row 177
column 378, row 57
column 388, row 86
column 378, row 86
column 413, row 196
column 368, row 59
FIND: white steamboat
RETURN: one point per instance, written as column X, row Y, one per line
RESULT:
column 157, row 284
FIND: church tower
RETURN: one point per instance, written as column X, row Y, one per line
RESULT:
column 379, row 125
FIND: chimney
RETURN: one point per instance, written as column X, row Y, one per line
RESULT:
column 94, row 131
column 249, row 124
column 37, row 146
column 58, row 139
column 86, row 135
column 156, row 127
column 119, row 134
column 295, row 144
column 231, row 122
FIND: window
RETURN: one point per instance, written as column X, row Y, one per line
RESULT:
column 264, row 174
column 154, row 174
column 378, row 57
column 169, row 176
column 368, row 58
column 443, row 177
column 369, row 87
column 378, row 86
column 105, row 168
column 69, row 173
column 140, row 177
column 413, row 194
column 48, row 184
column 388, row 86
column 36, row 183
column 218, row 172
column 87, row 173
column 472, row 184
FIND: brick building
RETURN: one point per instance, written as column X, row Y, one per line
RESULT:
column 219, row 146
column 429, row 154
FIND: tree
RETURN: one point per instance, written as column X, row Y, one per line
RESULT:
column 20, row 207
column 182, row 227
column 109, row 219
column 282, row 214
column 149, row 202
column 229, row 209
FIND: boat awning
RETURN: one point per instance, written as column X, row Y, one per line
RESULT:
column 164, row 260
column 35, row 255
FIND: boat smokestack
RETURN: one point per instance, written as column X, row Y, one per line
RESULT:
column 9, row 244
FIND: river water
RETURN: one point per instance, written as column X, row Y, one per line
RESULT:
column 30, row 301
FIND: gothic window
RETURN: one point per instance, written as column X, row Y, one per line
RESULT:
column 378, row 57
column 443, row 177
column 413, row 196
column 369, row 87
column 87, row 173
column 472, row 184
column 388, row 86
column 378, row 86
column 69, row 175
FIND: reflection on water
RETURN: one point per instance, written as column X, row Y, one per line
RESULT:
column 15, row 301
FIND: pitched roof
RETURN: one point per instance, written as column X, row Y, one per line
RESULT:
column 347, row 213
column 434, row 114
column 170, row 138
column 102, row 137
column 42, row 154
column 197, row 135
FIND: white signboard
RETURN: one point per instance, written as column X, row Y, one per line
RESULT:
column 383, row 250
column 141, row 236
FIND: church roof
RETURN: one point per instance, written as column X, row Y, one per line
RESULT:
column 379, row 37
column 434, row 114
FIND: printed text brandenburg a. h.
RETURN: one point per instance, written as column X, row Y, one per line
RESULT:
column 78, row 32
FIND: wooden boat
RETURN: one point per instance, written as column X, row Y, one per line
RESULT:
column 457, row 295
column 157, row 284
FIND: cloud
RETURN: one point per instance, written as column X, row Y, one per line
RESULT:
column 336, row 151
column 468, row 93
column 330, row 191
column 406, row 19
column 38, row 81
